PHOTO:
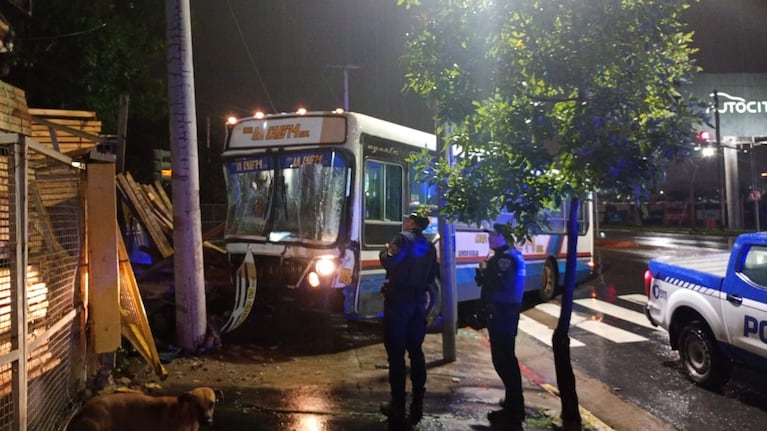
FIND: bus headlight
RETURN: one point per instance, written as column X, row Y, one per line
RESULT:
column 325, row 266
column 313, row 279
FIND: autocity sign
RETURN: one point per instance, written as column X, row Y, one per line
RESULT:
column 742, row 101
column 729, row 104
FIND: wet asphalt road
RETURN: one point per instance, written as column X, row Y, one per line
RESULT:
column 275, row 349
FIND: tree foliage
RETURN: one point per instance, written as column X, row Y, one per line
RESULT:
column 76, row 54
column 548, row 99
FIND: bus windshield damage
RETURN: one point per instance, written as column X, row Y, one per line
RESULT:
column 290, row 197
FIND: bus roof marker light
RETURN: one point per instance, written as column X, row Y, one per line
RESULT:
column 231, row 121
column 301, row 111
column 338, row 111
column 258, row 115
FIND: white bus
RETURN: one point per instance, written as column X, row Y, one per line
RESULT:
column 313, row 198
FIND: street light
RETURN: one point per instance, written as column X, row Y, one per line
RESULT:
column 346, row 68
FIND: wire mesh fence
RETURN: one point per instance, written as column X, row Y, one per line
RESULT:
column 41, row 224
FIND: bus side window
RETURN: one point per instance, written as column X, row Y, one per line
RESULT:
column 421, row 192
column 372, row 190
column 383, row 202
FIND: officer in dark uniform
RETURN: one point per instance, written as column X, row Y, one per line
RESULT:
column 502, row 277
column 410, row 261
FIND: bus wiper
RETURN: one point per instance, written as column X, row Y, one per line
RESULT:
column 285, row 197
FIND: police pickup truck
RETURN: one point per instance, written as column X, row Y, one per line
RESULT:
column 714, row 307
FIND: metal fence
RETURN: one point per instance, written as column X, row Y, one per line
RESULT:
column 41, row 230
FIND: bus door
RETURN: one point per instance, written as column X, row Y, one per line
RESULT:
column 382, row 212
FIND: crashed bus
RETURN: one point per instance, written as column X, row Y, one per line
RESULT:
column 313, row 197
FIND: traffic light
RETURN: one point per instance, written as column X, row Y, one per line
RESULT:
column 161, row 163
column 704, row 137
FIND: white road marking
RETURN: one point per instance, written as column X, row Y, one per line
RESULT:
column 596, row 327
column 614, row 310
column 541, row 332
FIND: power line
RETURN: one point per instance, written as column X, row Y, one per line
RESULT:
column 65, row 35
column 250, row 57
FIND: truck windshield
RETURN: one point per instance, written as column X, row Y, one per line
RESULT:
column 293, row 197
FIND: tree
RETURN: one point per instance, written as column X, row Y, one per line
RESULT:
column 82, row 55
column 550, row 100
column 75, row 54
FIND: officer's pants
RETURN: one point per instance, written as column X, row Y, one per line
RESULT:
column 405, row 330
column 502, row 328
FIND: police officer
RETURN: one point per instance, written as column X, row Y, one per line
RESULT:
column 410, row 261
column 501, row 277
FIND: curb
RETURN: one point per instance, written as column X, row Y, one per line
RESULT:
column 586, row 415
column 628, row 243
column 552, row 390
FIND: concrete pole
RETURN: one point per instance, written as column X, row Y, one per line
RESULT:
column 735, row 217
column 189, row 269
column 447, row 274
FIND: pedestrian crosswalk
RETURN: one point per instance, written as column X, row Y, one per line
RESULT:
column 607, row 320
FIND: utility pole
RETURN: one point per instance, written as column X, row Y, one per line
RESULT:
column 189, row 277
column 346, row 68
column 720, row 162
column 447, row 264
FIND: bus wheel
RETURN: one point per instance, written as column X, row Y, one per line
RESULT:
column 548, row 281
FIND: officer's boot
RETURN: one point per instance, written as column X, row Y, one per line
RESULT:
column 394, row 410
column 416, row 407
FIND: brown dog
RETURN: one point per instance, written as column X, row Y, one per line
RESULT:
column 130, row 411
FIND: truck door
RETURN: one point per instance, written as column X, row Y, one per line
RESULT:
column 745, row 306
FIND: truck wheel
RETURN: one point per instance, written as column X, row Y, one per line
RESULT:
column 700, row 357
column 548, row 287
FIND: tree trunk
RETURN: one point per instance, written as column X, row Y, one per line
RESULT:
column 189, row 277
column 571, row 416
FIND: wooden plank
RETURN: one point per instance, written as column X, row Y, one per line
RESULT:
column 46, row 131
column 62, row 113
column 67, row 129
column 127, row 187
column 64, row 140
column 78, row 124
column 103, row 291
column 164, row 196
column 155, row 222
column 159, row 203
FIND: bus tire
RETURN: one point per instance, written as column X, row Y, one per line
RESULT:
column 549, row 279
column 701, row 359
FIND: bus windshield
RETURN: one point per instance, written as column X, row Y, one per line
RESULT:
column 291, row 197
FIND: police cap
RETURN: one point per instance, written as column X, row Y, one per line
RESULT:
column 420, row 221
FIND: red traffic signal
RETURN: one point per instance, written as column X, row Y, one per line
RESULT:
column 704, row 136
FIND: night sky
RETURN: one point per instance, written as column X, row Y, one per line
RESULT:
column 276, row 55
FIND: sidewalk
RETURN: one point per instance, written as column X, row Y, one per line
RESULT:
column 342, row 390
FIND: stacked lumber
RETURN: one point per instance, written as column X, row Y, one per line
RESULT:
column 37, row 300
column 151, row 205
column 70, row 132
column 154, row 210
column 14, row 114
